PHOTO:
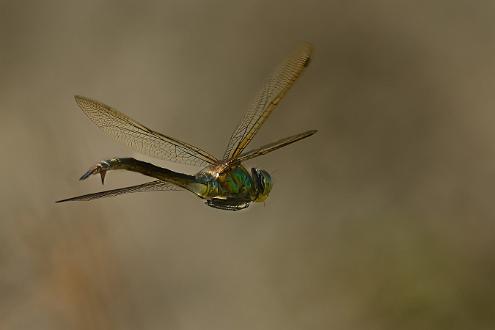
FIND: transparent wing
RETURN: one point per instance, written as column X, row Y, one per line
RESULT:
column 267, row 100
column 141, row 138
column 270, row 147
column 156, row 185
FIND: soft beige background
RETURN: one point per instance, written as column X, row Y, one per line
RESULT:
column 383, row 220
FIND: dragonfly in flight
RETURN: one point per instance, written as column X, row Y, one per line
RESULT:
column 224, row 183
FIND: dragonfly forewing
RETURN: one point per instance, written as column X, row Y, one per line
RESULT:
column 267, row 100
column 141, row 138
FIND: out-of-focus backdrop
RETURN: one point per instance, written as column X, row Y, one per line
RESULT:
column 382, row 220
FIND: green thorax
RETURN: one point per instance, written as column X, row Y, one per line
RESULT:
column 235, row 183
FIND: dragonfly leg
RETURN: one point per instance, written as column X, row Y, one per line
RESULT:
column 227, row 204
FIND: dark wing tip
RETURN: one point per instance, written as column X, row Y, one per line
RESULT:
column 82, row 198
column 63, row 200
column 308, row 133
column 308, row 49
column 307, row 61
column 79, row 98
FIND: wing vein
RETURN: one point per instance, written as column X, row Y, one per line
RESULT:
column 268, row 98
column 140, row 137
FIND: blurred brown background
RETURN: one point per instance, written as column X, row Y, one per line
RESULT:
column 382, row 220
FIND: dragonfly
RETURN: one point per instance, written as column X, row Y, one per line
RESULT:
column 223, row 183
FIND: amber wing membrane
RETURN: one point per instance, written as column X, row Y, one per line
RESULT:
column 141, row 138
column 156, row 185
column 270, row 147
column 267, row 100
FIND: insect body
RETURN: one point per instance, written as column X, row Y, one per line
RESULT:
column 225, row 183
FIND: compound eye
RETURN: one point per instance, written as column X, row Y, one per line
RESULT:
column 262, row 182
column 255, row 173
column 267, row 181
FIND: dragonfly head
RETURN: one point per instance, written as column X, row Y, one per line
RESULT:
column 263, row 183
